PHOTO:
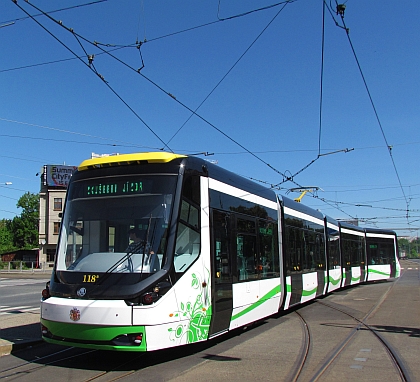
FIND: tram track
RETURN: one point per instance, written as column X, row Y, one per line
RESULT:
column 307, row 368
column 40, row 363
column 18, row 369
column 305, row 348
column 400, row 367
column 107, row 373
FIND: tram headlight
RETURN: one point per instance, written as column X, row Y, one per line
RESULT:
column 129, row 339
column 46, row 292
column 138, row 339
column 149, row 298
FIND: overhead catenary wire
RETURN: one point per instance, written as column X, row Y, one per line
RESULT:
column 69, row 132
column 231, row 68
column 365, row 205
column 119, row 143
column 89, row 66
column 285, row 2
column 388, row 146
column 137, row 43
column 55, row 11
column 285, row 178
column 73, row 141
column 141, row 13
column 320, row 102
column 319, row 149
column 321, row 78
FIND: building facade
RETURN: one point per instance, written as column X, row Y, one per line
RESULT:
column 52, row 197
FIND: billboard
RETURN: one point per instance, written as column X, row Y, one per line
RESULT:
column 58, row 175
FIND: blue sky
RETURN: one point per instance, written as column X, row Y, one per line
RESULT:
column 259, row 75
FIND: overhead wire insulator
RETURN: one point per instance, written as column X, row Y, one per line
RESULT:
column 340, row 9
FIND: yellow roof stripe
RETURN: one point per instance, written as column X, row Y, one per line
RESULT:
column 117, row 160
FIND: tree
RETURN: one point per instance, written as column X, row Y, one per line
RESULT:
column 6, row 236
column 410, row 247
column 25, row 226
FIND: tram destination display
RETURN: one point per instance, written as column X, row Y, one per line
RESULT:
column 116, row 187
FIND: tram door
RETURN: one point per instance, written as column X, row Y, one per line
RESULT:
column 222, row 302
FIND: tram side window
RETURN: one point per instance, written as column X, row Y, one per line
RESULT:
column 315, row 250
column 221, row 257
column 353, row 252
column 386, row 251
column 76, row 242
column 347, row 249
column 191, row 189
column 380, row 251
column 333, row 250
column 247, row 257
column 256, row 249
column 187, row 247
column 304, row 246
column 292, row 250
column 361, row 252
column 268, row 250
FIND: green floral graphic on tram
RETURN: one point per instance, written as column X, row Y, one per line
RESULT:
column 195, row 317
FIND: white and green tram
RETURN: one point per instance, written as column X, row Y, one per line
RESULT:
column 213, row 252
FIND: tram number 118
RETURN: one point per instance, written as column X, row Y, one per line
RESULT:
column 90, row 278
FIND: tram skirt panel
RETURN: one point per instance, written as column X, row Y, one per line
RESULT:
column 334, row 279
column 309, row 286
column 288, row 292
column 379, row 272
column 255, row 300
column 356, row 274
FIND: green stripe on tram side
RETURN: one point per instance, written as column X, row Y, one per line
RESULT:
column 333, row 281
column 272, row 293
column 306, row 293
column 379, row 272
column 289, row 288
column 355, row 278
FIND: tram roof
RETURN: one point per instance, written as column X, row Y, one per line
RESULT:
column 351, row 226
column 124, row 159
column 301, row 208
column 228, row 177
column 379, row 230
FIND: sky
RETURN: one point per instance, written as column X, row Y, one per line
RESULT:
column 288, row 94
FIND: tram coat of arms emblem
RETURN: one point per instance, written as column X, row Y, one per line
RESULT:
column 75, row 314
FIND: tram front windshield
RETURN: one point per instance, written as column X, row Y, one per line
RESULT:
column 116, row 225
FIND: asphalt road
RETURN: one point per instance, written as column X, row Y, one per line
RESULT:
column 20, row 294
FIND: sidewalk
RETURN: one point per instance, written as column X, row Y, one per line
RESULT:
column 22, row 329
column 16, row 274
column 18, row 331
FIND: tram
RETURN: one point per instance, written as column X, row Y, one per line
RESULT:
column 210, row 252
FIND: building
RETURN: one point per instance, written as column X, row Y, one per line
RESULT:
column 55, row 179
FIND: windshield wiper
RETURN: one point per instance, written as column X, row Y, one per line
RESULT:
column 127, row 257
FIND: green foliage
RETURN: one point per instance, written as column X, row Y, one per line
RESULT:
column 22, row 231
column 411, row 248
column 6, row 236
column 25, row 226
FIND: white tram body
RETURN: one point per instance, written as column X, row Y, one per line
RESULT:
column 214, row 252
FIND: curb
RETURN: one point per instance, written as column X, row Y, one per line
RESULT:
column 7, row 347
